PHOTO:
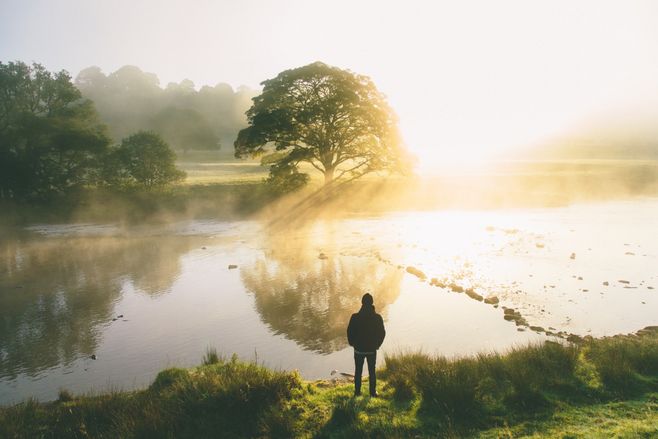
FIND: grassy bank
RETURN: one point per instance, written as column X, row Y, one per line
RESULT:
column 602, row 387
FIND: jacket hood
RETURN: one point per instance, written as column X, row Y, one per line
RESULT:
column 367, row 309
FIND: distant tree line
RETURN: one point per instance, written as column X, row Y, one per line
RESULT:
column 57, row 136
column 129, row 100
column 53, row 142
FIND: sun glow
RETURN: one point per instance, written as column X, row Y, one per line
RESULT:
column 469, row 80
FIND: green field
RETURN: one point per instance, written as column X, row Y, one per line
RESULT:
column 211, row 167
column 216, row 167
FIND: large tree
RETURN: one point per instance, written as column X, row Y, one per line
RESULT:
column 333, row 119
column 50, row 138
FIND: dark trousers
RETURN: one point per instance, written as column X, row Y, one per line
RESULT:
column 358, row 371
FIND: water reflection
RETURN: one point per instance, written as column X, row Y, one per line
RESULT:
column 306, row 289
column 55, row 294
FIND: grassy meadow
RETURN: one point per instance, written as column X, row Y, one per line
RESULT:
column 600, row 388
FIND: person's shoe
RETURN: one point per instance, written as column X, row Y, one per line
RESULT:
column 374, row 395
column 357, row 394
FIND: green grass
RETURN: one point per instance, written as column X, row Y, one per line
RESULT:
column 230, row 397
column 600, row 388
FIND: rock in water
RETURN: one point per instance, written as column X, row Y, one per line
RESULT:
column 573, row 256
column 323, row 256
column 232, row 266
column 456, row 288
column 416, row 272
column 511, row 315
column 437, row 283
column 470, row 292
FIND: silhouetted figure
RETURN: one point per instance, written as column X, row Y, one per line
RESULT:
column 365, row 333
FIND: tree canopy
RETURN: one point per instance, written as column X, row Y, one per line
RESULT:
column 142, row 160
column 50, row 138
column 333, row 119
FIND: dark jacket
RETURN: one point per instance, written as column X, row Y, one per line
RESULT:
column 366, row 330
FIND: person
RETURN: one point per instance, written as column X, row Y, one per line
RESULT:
column 365, row 333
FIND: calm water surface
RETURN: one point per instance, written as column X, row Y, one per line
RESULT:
column 145, row 298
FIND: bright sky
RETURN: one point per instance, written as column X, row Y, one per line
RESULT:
column 467, row 78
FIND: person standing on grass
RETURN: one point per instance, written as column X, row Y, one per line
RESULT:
column 365, row 333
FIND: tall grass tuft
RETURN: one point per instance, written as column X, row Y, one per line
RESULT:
column 525, row 380
column 64, row 395
column 621, row 360
column 210, row 357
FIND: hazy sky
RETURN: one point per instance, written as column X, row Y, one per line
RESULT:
column 466, row 77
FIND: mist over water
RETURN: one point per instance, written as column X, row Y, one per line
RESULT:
column 147, row 297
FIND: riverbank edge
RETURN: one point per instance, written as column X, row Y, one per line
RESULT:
column 237, row 199
column 598, row 387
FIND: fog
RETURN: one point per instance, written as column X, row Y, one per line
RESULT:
column 129, row 100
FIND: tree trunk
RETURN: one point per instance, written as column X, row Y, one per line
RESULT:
column 328, row 176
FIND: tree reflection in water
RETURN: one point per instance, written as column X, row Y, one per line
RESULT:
column 309, row 299
column 56, row 292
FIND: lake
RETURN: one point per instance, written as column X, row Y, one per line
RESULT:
column 143, row 298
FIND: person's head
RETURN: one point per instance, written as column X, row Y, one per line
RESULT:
column 366, row 300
